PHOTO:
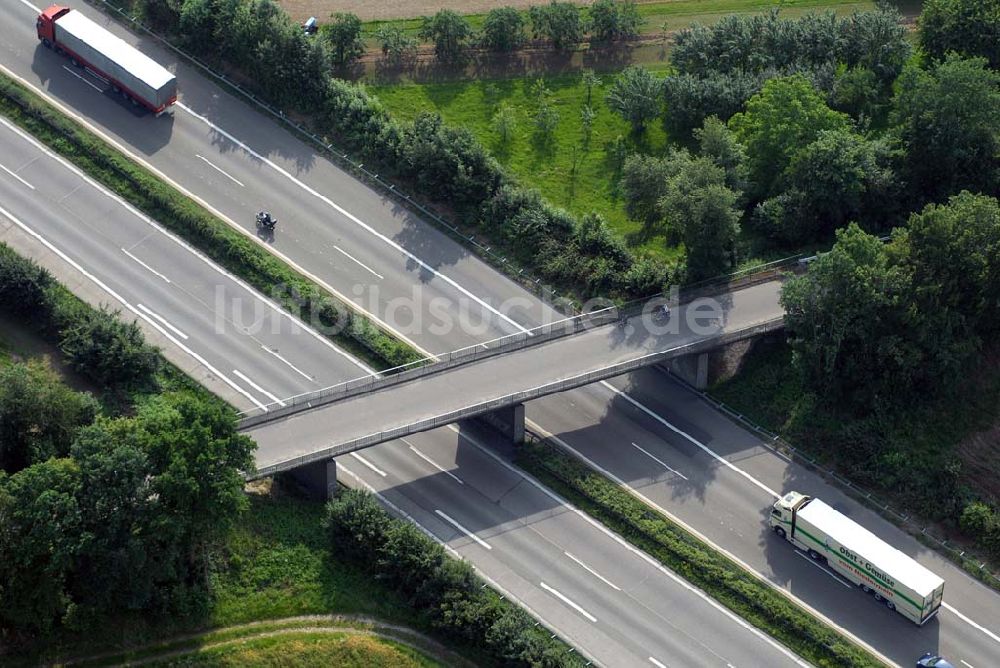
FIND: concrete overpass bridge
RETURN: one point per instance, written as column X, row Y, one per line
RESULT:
column 495, row 379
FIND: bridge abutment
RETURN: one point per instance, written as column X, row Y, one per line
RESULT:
column 509, row 421
column 318, row 480
column 692, row 369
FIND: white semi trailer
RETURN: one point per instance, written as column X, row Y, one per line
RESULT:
column 859, row 555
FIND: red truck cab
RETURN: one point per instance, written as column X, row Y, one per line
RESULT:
column 46, row 23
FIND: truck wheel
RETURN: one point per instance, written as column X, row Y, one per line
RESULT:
column 75, row 62
column 814, row 555
column 865, row 588
column 890, row 605
column 780, row 531
column 879, row 597
column 46, row 43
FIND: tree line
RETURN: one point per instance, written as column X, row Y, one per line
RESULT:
column 457, row 601
column 105, row 508
column 444, row 164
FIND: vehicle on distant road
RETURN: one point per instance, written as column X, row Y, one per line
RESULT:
column 859, row 555
column 933, row 661
column 131, row 73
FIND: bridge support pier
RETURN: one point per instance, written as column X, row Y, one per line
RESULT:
column 692, row 369
column 509, row 421
column 318, row 480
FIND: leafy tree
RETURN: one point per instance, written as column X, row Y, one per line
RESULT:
column 587, row 117
column 612, row 20
column 343, row 35
column 505, row 123
column 831, row 177
column 39, row 415
column 643, row 184
column 948, row 118
column 396, row 45
column 590, row 81
column 845, row 320
column 690, row 99
column 787, row 114
column 561, row 22
column 953, row 253
column 109, row 351
column 635, row 96
column 703, row 210
column 717, row 141
column 967, row 27
column 39, row 537
column 856, row 91
column 24, row 284
column 196, row 25
column 546, row 121
column 876, row 41
column 503, row 30
column 450, row 33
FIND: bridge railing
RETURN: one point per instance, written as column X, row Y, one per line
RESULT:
column 479, row 408
column 541, row 334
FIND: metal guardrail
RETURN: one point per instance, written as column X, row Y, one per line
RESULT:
column 423, row 367
column 479, row 408
column 905, row 520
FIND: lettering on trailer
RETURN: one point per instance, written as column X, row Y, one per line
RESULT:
column 867, row 565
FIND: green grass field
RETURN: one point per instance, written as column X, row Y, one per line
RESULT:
column 571, row 173
column 304, row 648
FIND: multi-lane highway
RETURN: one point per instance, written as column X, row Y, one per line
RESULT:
column 644, row 429
column 611, row 601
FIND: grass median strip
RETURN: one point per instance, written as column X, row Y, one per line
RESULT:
column 223, row 244
column 692, row 559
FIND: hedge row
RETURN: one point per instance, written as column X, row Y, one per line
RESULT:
column 692, row 559
column 458, row 603
column 96, row 343
column 224, row 245
column 443, row 164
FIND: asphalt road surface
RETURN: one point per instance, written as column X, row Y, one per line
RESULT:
column 238, row 162
column 98, row 242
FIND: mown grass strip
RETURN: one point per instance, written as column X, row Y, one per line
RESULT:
column 692, row 559
column 189, row 220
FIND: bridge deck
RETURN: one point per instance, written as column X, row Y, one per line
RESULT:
column 493, row 382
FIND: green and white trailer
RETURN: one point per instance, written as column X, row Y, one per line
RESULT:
column 859, row 555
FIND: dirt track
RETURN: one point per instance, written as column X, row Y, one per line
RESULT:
column 300, row 10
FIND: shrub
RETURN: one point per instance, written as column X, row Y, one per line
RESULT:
column 614, row 20
column 561, row 22
column 503, row 30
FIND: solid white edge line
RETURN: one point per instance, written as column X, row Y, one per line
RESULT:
column 593, row 572
column 17, row 177
column 971, row 623
column 825, row 569
column 455, row 553
column 642, row 555
column 967, row 663
column 565, row 599
column 356, row 260
column 446, row 517
column 81, row 78
column 146, row 266
column 220, row 170
column 162, row 320
column 183, row 244
column 369, row 464
column 658, row 460
column 432, row 462
column 365, row 226
column 290, row 365
column 215, row 212
column 656, row 663
column 31, row 6
column 99, row 283
column 242, row 376
column 723, row 460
